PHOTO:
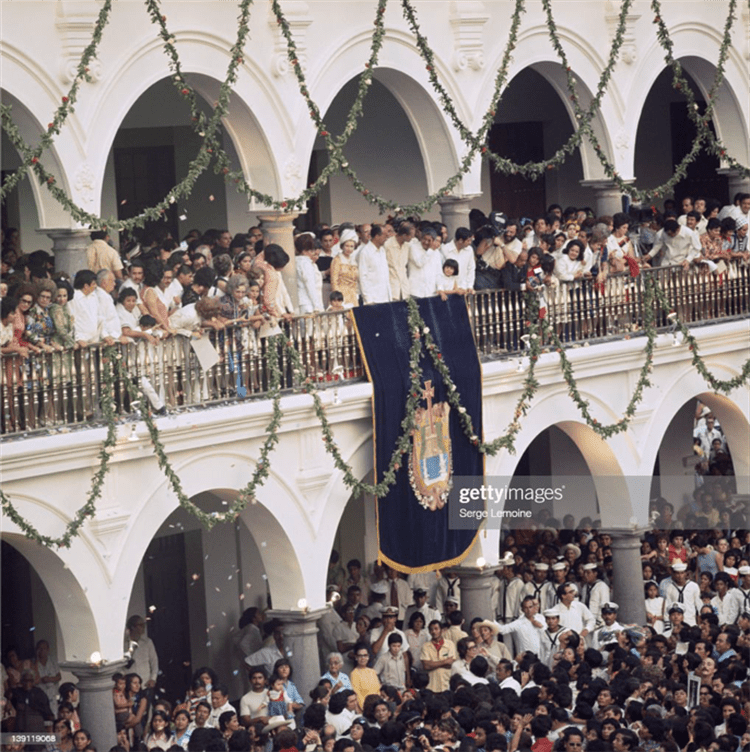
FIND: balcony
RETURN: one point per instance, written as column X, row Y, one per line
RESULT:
column 58, row 392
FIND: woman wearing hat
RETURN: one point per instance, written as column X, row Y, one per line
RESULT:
column 344, row 270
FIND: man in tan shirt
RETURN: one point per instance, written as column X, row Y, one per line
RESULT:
column 100, row 255
column 437, row 657
column 397, row 253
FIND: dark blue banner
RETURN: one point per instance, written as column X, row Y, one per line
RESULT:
column 413, row 532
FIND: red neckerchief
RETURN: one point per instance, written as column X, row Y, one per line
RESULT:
column 439, row 645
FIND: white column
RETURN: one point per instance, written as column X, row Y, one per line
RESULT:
column 69, row 249
column 476, row 591
column 627, row 588
column 454, row 212
column 95, row 688
column 278, row 228
column 301, row 644
column 735, row 182
column 607, row 196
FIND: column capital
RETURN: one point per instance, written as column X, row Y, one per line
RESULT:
column 622, row 534
column 297, row 616
column 69, row 248
column 94, row 676
column 477, row 574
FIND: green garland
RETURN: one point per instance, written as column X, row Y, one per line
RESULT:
column 196, row 167
column 280, row 346
column 31, row 156
column 211, row 148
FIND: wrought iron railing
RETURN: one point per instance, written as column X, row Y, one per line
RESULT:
column 62, row 389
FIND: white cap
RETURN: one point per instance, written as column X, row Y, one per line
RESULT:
column 679, row 566
column 541, row 566
column 451, row 599
column 590, row 566
column 744, row 570
column 610, row 606
column 380, row 587
column 508, row 559
column 557, row 566
column 551, row 612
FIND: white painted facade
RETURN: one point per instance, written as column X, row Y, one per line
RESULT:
column 405, row 146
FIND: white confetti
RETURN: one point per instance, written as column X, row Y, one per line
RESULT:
column 151, row 609
column 183, row 217
column 211, row 198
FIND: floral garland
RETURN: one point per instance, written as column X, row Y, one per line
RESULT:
column 211, row 148
column 280, row 346
column 105, row 454
column 66, row 107
column 197, row 165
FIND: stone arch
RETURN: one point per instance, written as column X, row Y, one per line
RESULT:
column 610, row 462
column 48, row 212
column 287, row 555
column 533, row 50
column 402, row 72
column 690, row 43
column 732, row 411
column 78, row 626
column 202, row 55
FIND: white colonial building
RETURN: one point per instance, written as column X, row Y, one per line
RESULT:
column 140, row 553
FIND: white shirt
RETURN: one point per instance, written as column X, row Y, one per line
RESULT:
column 375, row 636
column 85, row 312
column 511, row 683
column 566, row 268
column 595, row 595
column 577, row 617
column 467, row 263
column 527, row 636
column 254, row 703
column 309, row 285
column 596, row 636
column 111, row 326
column 213, row 719
column 740, row 602
column 550, row 644
column 685, row 246
column 133, row 286
column 128, row 318
column 691, row 599
column 145, row 661
column 425, row 267
column 374, row 279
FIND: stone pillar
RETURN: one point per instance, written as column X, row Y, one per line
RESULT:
column 607, row 196
column 69, row 248
column 735, row 182
column 454, row 212
column 278, row 228
column 301, row 644
column 627, row 590
column 95, row 688
column 476, row 592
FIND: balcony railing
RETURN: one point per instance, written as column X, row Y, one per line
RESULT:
column 62, row 389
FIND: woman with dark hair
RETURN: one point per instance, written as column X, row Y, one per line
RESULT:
column 274, row 297
column 82, row 741
column 69, row 694
column 283, row 669
column 64, row 733
column 62, row 319
column 182, row 732
column 416, row 636
column 228, row 723
column 156, row 280
column 138, row 707
column 159, row 734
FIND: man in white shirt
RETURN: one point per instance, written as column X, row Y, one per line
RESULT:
column 461, row 251
column 379, row 636
column 425, row 264
column 504, row 674
column 85, row 308
column 574, row 614
column 309, row 281
column 420, row 604
column 707, row 433
column 110, row 321
column 397, row 253
column 527, row 629
column 550, row 638
column 595, row 591
column 254, row 704
column 135, row 281
column 374, row 278
column 540, row 587
column 219, row 703
column 602, row 636
column 145, row 660
column 681, row 245
column 687, row 593
column 740, row 597
column 267, row 656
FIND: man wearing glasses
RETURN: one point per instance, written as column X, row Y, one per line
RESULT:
column 573, row 741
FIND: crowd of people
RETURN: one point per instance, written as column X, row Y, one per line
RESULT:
column 156, row 287
column 551, row 665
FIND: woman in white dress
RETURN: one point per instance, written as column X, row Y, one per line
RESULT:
column 654, row 607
